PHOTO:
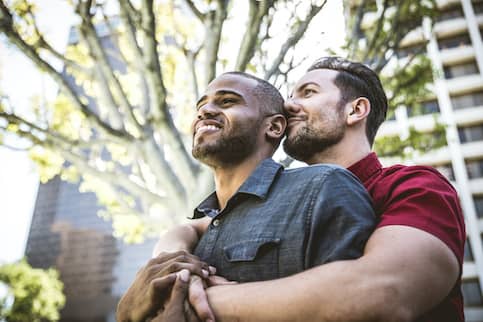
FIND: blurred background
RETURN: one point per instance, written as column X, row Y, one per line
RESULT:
column 96, row 99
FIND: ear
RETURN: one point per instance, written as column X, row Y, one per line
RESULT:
column 276, row 126
column 358, row 110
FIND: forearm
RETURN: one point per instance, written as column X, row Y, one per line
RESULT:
column 403, row 273
column 301, row 297
column 183, row 237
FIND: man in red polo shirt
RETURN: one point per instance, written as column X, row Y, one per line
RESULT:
column 412, row 263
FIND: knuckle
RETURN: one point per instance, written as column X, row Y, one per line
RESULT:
column 152, row 261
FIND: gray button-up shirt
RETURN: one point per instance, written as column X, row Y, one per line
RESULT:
column 281, row 222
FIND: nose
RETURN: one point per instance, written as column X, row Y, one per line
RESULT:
column 291, row 106
column 208, row 110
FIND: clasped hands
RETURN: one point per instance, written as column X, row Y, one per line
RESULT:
column 171, row 287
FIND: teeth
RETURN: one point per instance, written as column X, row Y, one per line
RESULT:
column 207, row 127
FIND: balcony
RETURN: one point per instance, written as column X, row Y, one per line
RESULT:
column 462, row 69
column 471, row 133
column 469, row 100
column 474, row 168
column 454, row 41
column 450, row 13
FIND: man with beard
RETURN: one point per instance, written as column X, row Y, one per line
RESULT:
column 264, row 222
column 412, row 263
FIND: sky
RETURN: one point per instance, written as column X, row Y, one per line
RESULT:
column 19, row 79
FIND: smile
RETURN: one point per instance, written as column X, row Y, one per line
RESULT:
column 207, row 128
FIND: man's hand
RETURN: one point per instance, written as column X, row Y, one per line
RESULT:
column 198, row 298
column 152, row 285
column 174, row 310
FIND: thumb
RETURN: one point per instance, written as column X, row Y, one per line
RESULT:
column 180, row 288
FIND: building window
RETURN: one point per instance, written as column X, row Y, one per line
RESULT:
column 477, row 7
column 471, row 293
column 474, row 169
column 450, row 13
column 428, row 107
column 446, row 170
column 411, row 50
column 471, row 133
column 468, row 257
column 467, row 100
column 478, row 201
column 467, row 68
column 454, row 41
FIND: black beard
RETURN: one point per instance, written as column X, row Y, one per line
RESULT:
column 307, row 142
column 229, row 149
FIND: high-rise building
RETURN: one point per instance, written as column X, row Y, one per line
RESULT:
column 454, row 46
column 96, row 268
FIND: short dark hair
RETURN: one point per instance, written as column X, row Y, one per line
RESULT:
column 270, row 99
column 357, row 80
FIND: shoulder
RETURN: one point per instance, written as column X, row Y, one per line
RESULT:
column 321, row 170
column 421, row 197
column 406, row 177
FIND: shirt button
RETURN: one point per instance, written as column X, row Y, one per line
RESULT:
column 216, row 222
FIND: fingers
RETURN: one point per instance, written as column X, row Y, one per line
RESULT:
column 215, row 280
column 180, row 288
column 164, row 282
column 174, row 265
column 167, row 263
column 199, row 300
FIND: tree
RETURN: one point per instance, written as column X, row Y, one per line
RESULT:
column 379, row 43
column 128, row 78
column 37, row 294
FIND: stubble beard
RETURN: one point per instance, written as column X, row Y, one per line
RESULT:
column 231, row 148
column 310, row 140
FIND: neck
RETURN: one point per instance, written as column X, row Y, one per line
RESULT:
column 229, row 178
column 348, row 151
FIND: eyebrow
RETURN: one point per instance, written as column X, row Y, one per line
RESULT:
column 220, row 93
column 301, row 87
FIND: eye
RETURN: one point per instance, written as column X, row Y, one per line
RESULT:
column 308, row 92
column 228, row 101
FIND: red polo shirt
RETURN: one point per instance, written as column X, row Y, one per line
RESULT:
column 420, row 197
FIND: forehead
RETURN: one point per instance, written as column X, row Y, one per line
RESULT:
column 322, row 77
column 228, row 82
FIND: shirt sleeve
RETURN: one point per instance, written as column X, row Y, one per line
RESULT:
column 422, row 199
column 342, row 219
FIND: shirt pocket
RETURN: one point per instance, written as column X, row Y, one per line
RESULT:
column 252, row 260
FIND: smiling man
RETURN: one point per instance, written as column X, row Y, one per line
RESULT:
column 412, row 263
column 264, row 222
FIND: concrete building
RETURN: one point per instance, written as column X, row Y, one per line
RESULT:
column 455, row 48
column 96, row 268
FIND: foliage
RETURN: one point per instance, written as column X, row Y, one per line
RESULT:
column 396, row 146
column 377, row 38
column 130, row 76
column 36, row 293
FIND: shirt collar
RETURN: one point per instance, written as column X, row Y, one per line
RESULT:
column 366, row 167
column 258, row 184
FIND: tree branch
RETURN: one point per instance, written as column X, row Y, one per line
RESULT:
column 291, row 41
column 162, row 117
column 6, row 27
column 195, row 10
column 98, row 52
column 257, row 11
column 138, row 54
column 213, row 23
